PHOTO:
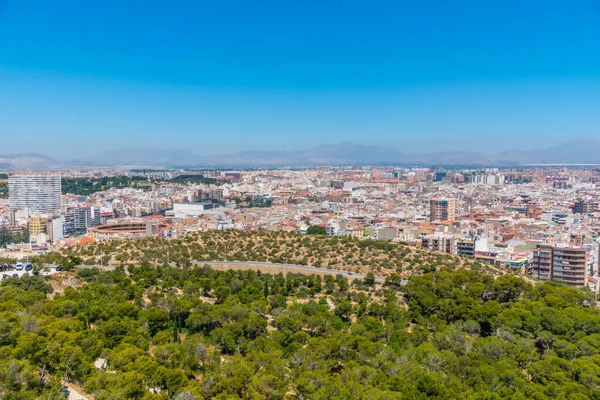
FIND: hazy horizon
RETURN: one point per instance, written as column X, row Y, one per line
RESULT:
column 90, row 156
column 221, row 78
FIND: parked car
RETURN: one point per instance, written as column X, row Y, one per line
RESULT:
column 28, row 267
column 15, row 275
column 19, row 267
column 4, row 276
column 59, row 268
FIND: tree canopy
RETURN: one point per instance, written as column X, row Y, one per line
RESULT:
column 158, row 333
column 316, row 230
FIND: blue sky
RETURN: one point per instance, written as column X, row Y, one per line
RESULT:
column 81, row 77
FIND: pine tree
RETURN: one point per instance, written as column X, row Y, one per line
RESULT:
column 266, row 288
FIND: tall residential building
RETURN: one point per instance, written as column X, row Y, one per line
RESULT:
column 585, row 207
column 487, row 179
column 54, row 228
column 37, row 193
column 85, row 217
column 563, row 264
column 439, row 176
column 68, row 223
column 81, row 218
column 442, row 209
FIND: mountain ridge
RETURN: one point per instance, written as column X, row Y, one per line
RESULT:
column 578, row 151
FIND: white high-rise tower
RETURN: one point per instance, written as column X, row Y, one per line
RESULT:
column 38, row 193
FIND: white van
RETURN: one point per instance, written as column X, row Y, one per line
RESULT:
column 19, row 266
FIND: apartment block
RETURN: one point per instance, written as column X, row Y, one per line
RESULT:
column 560, row 263
column 85, row 217
column 585, row 207
column 37, row 225
column 442, row 209
column 442, row 243
column 37, row 193
column 465, row 248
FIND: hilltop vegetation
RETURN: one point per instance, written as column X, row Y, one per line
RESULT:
column 87, row 186
column 8, row 237
column 160, row 333
column 320, row 251
column 194, row 179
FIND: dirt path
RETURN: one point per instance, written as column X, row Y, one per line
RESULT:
column 271, row 268
column 75, row 393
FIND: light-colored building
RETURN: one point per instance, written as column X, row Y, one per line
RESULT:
column 54, row 228
column 37, row 193
column 186, row 210
column 356, row 233
column 387, row 233
column 440, row 242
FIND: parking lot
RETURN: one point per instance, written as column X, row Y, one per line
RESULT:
column 48, row 270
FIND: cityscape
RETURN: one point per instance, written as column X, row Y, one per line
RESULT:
column 314, row 200
column 537, row 222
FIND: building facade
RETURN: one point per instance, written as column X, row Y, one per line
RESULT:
column 465, row 248
column 563, row 264
column 442, row 209
column 54, row 228
column 441, row 243
column 85, row 217
column 585, row 207
column 186, row 210
column 37, row 193
column 37, row 225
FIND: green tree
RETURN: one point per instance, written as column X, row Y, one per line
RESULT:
column 370, row 278
column 316, row 230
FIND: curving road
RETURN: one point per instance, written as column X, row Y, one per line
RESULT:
column 259, row 265
column 289, row 268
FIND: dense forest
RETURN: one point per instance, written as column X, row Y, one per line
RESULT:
column 194, row 178
column 160, row 333
column 87, row 186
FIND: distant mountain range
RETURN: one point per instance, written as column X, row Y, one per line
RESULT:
column 574, row 152
column 29, row 162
